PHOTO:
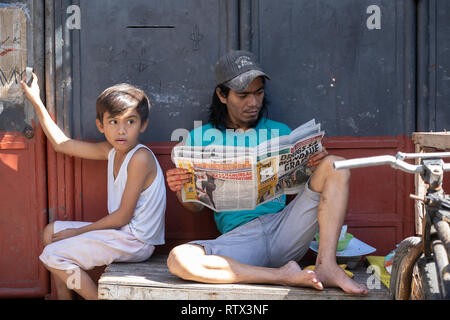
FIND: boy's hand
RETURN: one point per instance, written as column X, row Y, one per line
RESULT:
column 32, row 92
column 177, row 178
column 64, row 234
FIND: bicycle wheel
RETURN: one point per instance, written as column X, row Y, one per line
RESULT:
column 406, row 255
column 428, row 279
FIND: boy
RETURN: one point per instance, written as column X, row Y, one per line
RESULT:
column 136, row 192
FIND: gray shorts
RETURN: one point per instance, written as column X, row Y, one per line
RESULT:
column 271, row 240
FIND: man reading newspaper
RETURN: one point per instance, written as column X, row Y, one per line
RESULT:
column 261, row 245
column 229, row 178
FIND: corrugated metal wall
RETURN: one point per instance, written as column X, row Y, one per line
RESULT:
column 433, row 66
column 167, row 48
column 349, row 64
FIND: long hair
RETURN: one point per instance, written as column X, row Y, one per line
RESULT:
column 218, row 112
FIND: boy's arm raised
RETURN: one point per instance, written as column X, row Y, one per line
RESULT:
column 60, row 142
column 141, row 173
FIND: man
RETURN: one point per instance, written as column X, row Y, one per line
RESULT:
column 262, row 245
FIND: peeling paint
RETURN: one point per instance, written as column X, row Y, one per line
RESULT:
column 13, row 52
column 322, row 89
column 19, row 5
column 165, row 98
column 445, row 77
column 51, row 215
column 174, row 114
column 367, row 114
column 352, row 124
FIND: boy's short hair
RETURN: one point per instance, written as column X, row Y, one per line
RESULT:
column 118, row 98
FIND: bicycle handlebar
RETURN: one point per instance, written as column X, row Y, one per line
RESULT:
column 395, row 161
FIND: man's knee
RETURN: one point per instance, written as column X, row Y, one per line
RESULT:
column 47, row 234
column 345, row 173
column 181, row 260
column 173, row 261
column 326, row 172
column 327, row 166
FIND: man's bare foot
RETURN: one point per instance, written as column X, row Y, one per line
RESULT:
column 331, row 275
column 293, row 275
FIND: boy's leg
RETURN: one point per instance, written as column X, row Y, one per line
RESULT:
column 62, row 292
column 67, row 259
column 80, row 281
column 334, row 188
column 190, row 262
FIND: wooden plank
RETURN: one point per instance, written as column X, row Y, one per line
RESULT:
column 438, row 140
column 421, row 190
column 152, row 280
column 426, row 142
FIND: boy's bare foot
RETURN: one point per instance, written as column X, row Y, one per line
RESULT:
column 293, row 275
column 331, row 275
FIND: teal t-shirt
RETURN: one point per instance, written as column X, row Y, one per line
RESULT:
column 265, row 129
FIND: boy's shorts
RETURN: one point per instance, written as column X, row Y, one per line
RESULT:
column 271, row 240
column 95, row 248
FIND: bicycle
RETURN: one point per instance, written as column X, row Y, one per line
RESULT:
column 424, row 259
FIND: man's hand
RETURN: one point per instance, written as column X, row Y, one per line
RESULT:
column 177, row 178
column 315, row 161
column 64, row 234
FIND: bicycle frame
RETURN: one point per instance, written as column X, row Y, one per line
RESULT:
column 436, row 235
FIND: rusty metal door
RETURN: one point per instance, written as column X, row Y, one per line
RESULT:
column 23, row 195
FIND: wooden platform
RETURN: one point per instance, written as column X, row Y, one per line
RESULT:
column 152, row 280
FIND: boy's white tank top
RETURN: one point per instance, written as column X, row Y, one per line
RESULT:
column 147, row 223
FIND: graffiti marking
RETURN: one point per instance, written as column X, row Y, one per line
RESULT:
column 196, row 37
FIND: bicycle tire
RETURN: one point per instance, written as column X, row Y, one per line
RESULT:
column 429, row 278
column 401, row 275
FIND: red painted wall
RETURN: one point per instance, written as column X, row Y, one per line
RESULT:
column 23, row 215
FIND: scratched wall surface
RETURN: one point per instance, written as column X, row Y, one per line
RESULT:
column 349, row 67
column 341, row 62
column 13, row 61
column 167, row 48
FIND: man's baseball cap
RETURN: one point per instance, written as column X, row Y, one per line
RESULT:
column 237, row 69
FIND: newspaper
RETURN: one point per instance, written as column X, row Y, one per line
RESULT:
column 239, row 178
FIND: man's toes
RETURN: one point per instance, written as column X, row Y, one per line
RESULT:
column 313, row 280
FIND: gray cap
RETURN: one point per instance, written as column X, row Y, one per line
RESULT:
column 237, row 69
